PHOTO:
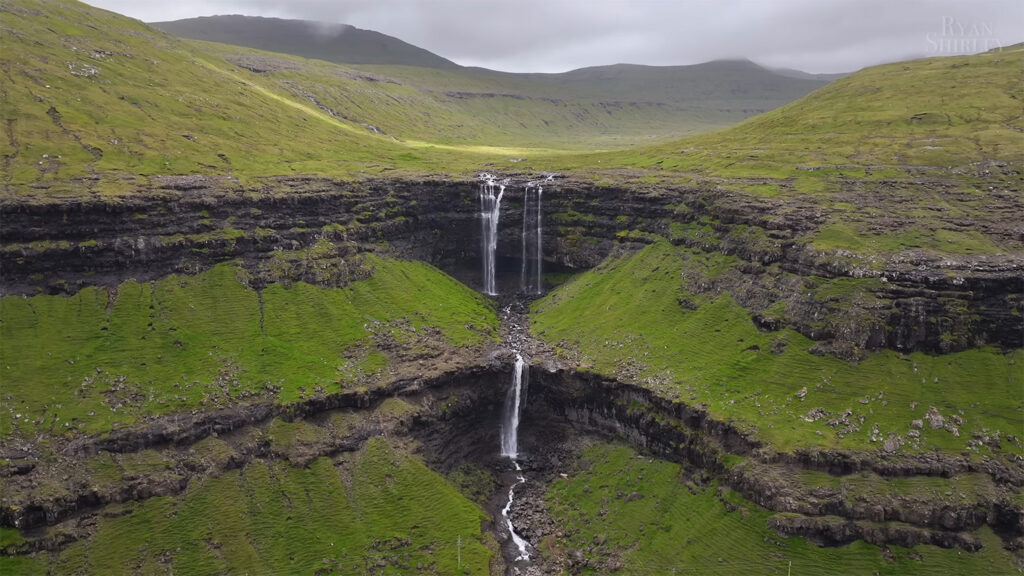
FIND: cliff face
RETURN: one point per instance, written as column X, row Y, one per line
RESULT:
column 907, row 302
column 301, row 229
column 453, row 419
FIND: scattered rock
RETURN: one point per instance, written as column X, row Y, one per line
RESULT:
column 892, row 444
column 935, row 420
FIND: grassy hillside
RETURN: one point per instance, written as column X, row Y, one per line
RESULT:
column 676, row 526
column 377, row 508
column 624, row 318
column 107, row 357
column 91, row 99
column 605, row 105
column 608, row 106
column 952, row 115
column 338, row 43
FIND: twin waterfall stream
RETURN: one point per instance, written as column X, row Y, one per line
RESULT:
column 531, row 274
column 530, row 283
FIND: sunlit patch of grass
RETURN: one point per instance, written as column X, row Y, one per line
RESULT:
column 625, row 317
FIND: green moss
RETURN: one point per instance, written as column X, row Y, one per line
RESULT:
column 476, row 483
column 656, row 521
column 93, row 360
column 624, row 318
column 843, row 236
column 269, row 518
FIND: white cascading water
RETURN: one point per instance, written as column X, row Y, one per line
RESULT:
column 514, row 401
column 540, row 242
column 532, row 235
column 490, row 212
column 526, row 227
column 521, row 544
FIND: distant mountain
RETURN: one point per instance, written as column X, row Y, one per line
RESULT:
column 720, row 83
column 791, row 73
column 339, row 43
column 602, row 105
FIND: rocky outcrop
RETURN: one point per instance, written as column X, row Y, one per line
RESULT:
column 592, row 404
column 454, row 417
column 917, row 302
column 835, row 531
column 185, row 225
column 452, row 412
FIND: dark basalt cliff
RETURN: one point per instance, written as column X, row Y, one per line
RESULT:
column 453, row 417
column 308, row 229
column 593, row 404
column 184, row 224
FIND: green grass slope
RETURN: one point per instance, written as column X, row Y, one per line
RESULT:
column 604, row 105
column 107, row 357
column 720, row 83
column 379, row 509
column 674, row 526
column 951, row 115
column 624, row 318
column 90, row 99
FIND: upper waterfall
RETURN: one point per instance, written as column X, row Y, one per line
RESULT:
column 531, row 277
column 490, row 213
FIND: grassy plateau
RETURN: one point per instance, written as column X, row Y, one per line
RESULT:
column 375, row 509
column 106, row 357
column 661, row 522
column 768, row 383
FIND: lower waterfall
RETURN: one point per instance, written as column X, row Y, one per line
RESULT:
column 514, row 401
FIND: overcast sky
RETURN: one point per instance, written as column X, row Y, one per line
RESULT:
column 559, row 35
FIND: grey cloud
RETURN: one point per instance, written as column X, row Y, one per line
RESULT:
column 558, row 35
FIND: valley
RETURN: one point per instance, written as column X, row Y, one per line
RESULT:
column 267, row 314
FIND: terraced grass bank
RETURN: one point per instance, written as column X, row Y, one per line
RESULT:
column 623, row 511
column 699, row 347
column 375, row 511
column 110, row 357
column 225, row 346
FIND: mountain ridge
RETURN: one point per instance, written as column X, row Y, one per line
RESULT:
column 239, row 30
column 339, row 43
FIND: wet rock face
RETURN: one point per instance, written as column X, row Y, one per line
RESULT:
column 61, row 247
column 454, row 416
column 186, row 224
column 567, row 404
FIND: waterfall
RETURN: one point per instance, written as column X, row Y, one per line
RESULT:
column 540, row 242
column 490, row 212
column 532, row 234
column 514, row 401
column 526, row 221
